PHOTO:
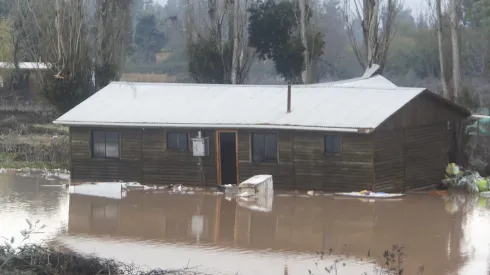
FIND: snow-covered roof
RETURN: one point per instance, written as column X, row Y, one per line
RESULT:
column 326, row 108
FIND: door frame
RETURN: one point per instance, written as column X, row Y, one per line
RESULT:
column 218, row 154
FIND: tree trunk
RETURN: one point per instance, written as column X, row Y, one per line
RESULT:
column 59, row 34
column 445, row 90
column 213, row 18
column 302, row 31
column 236, row 47
column 455, row 50
column 457, row 126
column 101, row 13
column 373, row 41
column 366, row 16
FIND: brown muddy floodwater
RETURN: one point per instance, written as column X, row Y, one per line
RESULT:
column 217, row 234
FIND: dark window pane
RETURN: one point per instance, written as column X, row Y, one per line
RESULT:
column 182, row 141
column 258, row 147
column 177, row 140
column 172, row 140
column 271, row 147
column 112, row 144
column 337, row 144
column 332, row 144
column 98, row 143
column 328, row 144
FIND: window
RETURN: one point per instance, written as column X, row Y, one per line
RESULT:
column 333, row 144
column 177, row 141
column 264, row 147
column 105, row 144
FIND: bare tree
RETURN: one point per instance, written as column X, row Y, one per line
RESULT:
column 376, row 22
column 216, row 40
column 113, row 24
column 454, row 10
column 63, row 40
column 445, row 90
column 302, row 32
column 59, row 40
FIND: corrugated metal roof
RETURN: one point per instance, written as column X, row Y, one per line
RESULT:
column 329, row 108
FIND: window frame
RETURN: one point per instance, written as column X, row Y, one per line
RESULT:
column 252, row 147
column 177, row 148
column 105, row 156
column 325, row 147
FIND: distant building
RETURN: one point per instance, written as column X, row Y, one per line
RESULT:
column 359, row 134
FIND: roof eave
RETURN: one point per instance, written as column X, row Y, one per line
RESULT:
column 211, row 126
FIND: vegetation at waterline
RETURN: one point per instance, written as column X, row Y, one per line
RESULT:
column 392, row 263
column 34, row 259
column 30, row 259
column 41, row 260
column 29, row 139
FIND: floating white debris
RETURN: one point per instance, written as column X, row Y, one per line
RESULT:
column 257, row 203
column 257, row 185
column 310, row 193
column 371, row 195
column 49, row 174
column 245, row 194
column 113, row 190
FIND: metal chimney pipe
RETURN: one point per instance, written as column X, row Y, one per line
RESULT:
column 289, row 98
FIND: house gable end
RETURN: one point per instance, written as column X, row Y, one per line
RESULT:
column 426, row 108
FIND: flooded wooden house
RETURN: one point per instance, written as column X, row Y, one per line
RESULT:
column 354, row 135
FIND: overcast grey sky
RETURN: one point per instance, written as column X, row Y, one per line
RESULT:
column 416, row 5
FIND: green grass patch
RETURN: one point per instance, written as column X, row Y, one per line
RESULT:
column 8, row 161
column 54, row 128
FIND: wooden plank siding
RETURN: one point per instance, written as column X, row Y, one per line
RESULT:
column 301, row 164
column 426, row 155
column 425, row 109
column 411, row 147
column 389, row 160
column 165, row 166
column 409, row 158
column 127, row 167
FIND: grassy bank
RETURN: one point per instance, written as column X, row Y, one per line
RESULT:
column 29, row 139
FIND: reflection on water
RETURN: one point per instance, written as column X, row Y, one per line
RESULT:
column 447, row 236
column 32, row 198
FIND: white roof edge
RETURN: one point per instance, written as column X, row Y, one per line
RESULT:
column 371, row 71
column 204, row 126
column 284, row 86
column 475, row 116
